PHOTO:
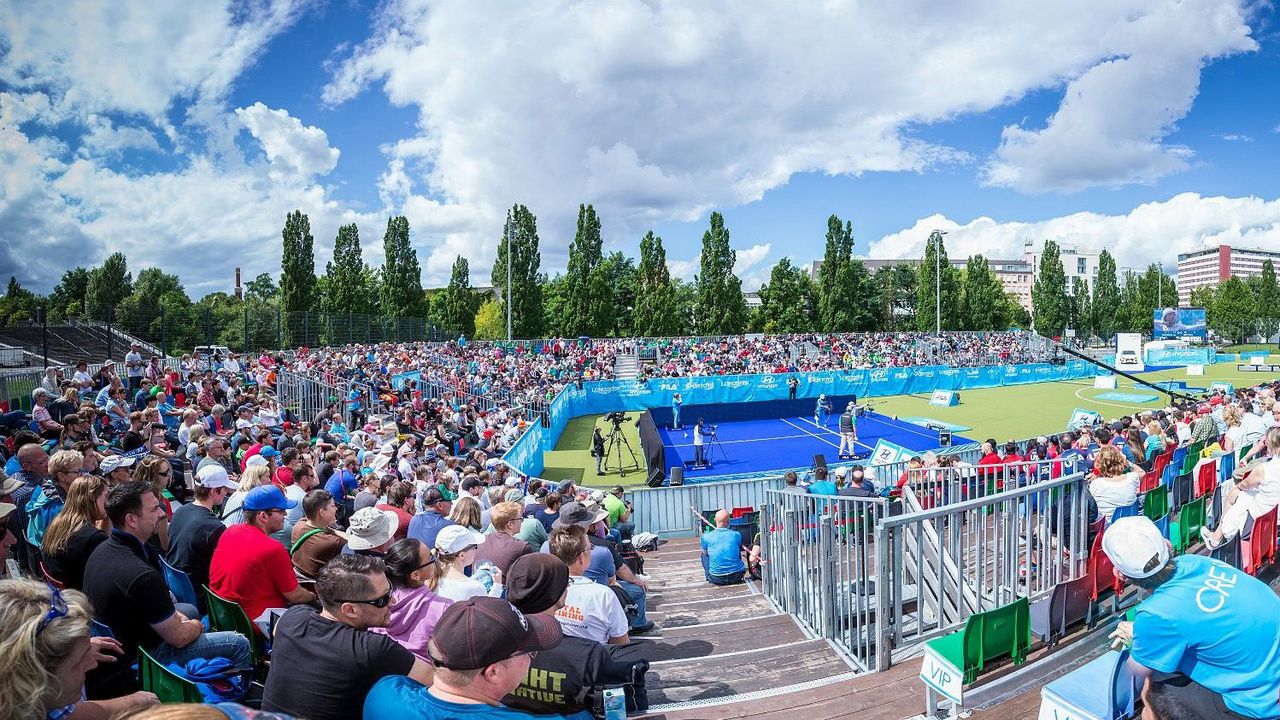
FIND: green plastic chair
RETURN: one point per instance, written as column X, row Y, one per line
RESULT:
column 986, row 636
column 1192, row 459
column 168, row 686
column 1186, row 529
column 709, row 519
column 227, row 616
column 1244, row 450
column 1155, row 503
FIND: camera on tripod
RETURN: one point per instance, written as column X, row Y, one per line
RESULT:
column 616, row 417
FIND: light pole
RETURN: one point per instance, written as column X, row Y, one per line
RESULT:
column 507, row 232
column 937, row 280
column 1160, row 287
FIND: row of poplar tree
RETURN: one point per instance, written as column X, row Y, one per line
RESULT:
column 602, row 295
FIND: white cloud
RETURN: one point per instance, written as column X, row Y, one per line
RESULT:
column 134, row 57
column 106, row 138
column 1110, row 128
column 294, row 150
column 1235, row 137
column 1152, row 232
column 657, row 111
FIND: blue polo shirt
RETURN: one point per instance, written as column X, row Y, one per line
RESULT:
column 425, row 526
column 724, row 551
column 823, row 487
column 1218, row 626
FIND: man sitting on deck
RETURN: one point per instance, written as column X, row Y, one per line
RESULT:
column 722, row 553
column 1208, row 634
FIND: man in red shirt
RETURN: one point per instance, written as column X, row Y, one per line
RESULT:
column 991, row 477
column 251, row 568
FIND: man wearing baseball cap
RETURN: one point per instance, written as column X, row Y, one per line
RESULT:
column 251, row 568
column 482, row 648
column 116, row 468
column 196, row 528
column 1208, row 633
column 433, row 516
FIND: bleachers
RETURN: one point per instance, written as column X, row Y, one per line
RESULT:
column 69, row 344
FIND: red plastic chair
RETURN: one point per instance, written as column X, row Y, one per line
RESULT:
column 1162, row 461
column 1102, row 574
column 1259, row 550
column 739, row 512
column 1206, row 479
column 1150, row 481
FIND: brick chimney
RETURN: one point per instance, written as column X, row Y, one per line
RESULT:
column 239, row 293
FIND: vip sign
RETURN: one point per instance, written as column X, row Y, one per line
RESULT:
column 938, row 673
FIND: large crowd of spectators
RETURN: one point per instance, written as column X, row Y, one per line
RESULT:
column 387, row 556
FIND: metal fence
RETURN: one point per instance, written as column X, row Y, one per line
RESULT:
column 821, row 563
column 936, row 567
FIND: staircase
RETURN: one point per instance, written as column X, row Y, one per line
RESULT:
column 69, row 343
column 626, row 366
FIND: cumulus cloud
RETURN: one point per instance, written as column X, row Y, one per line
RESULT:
column 106, row 138
column 661, row 111
column 293, row 149
column 1110, row 128
column 1151, row 232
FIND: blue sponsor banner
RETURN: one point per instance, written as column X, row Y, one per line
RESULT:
column 631, row 396
column 1177, row 323
column 1181, row 356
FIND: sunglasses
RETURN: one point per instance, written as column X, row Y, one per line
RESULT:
column 57, row 609
column 378, row 602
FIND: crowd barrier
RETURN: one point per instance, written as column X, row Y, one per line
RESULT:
column 600, row 397
column 874, row 576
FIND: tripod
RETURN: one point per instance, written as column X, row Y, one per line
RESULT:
column 713, row 444
column 615, row 443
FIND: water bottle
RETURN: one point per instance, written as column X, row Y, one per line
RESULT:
column 615, row 704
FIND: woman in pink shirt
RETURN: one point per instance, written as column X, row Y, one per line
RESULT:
column 417, row 609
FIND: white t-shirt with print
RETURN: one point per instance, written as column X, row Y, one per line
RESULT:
column 591, row 611
column 1112, row 493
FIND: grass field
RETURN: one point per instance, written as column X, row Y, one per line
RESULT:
column 1002, row 413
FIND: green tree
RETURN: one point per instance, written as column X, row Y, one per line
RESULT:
column 1049, row 293
column 622, row 278
column 843, row 284
column 1081, row 308
column 896, row 297
column 68, row 296
column 686, row 301
column 555, row 305
column 589, row 298
column 656, row 313
column 721, row 308
column 297, row 264
column 18, row 304
column 787, row 303
column 262, row 288
column 1128, row 313
column 982, row 301
column 348, row 282
column 934, row 272
column 490, row 324
column 108, row 284
column 454, row 313
column 1106, row 297
column 1155, row 290
column 1234, row 311
column 1267, row 297
column 1204, row 297
column 520, row 241
column 401, row 294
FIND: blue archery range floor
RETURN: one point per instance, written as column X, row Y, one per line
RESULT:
column 747, row 446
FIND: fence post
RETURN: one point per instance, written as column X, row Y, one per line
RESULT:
column 44, row 333
column 884, row 589
column 790, row 579
column 279, row 329
column 826, row 579
column 246, row 329
column 208, row 329
column 348, row 342
column 306, row 328
column 164, row 345
column 368, row 329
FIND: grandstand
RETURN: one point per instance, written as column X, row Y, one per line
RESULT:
column 959, row 578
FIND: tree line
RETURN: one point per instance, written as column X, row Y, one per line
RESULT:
column 601, row 295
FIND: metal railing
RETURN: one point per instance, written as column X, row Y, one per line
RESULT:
column 820, row 564
column 935, row 568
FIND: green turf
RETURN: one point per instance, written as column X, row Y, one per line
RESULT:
column 1002, row 413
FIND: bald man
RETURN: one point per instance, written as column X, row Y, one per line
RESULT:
column 722, row 553
column 34, row 462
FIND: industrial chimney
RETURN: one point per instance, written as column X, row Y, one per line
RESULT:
column 239, row 293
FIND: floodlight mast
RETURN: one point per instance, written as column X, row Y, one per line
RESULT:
column 507, row 230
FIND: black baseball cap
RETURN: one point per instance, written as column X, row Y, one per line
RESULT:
column 481, row 631
column 536, row 581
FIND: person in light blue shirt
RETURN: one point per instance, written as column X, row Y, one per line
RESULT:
column 1208, row 634
column 676, row 402
column 821, row 411
column 722, row 553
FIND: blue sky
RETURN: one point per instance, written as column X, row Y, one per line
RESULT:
column 182, row 136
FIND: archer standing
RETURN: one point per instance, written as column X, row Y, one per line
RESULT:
column 699, row 450
column 792, row 386
column 848, row 432
column 676, row 402
column 822, row 411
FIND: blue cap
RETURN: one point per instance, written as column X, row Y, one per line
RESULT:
column 267, row 497
column 269, row 452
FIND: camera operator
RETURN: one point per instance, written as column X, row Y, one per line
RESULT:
column 699, row 450
column 597, row 450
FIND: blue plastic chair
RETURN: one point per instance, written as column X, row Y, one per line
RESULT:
column 179, row 584
column 1133, row 510
column 1103, row 689
column 97, row 628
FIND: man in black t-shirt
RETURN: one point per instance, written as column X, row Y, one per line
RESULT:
column 324, row 663
column 566, row 678
column 195, row 529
